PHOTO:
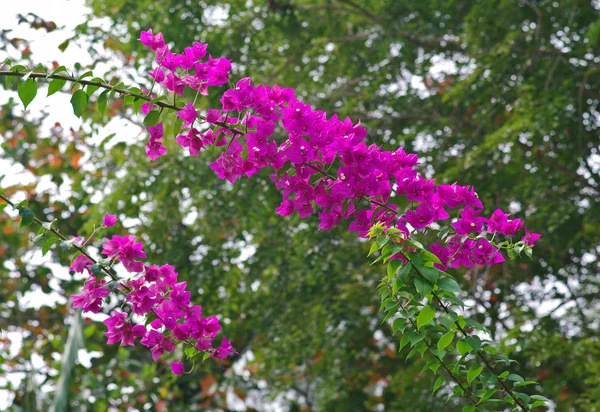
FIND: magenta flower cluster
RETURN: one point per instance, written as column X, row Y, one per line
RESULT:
column 324, row 164
column 156, row 296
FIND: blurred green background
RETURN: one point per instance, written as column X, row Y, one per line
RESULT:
column 499, row 94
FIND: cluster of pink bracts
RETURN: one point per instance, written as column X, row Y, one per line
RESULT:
column 154, row 294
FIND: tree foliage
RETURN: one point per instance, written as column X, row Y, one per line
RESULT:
column 513, row 111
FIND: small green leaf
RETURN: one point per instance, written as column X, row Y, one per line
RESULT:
column 102, row 100
column 128, row 99
column 424, row 287
column 59, row 69
column 190, row 352
column 473, row 372
column 91, row 88
column 445, row 340
column 95, row 269
column 55, row 86
column 474, row 342
column 449, row 285
column 404, row 274
column 63, row 46
column 404, row 341
column 89, row 73
column 374, row 247
column 438, row 382
column 137, row 104
column 399, row 324
column 415, row 337
column 413, row 243
column 26, row 216
column 49, row 244
column 469, row 408
column 27, row 91
column 430, row 257
column 463, row 347
column 114, row 90
column 537, row 403
column 427, row 314
column 79, row 101
column 516, row 378
column 151, row 118
column 392, row 268
column 177, row 128
column 431, row 274
column 488, row 394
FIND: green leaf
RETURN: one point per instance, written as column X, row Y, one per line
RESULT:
column 488, row 394
column 424, row 287
column 89, row 73
column 469, row 408
column 374, row 246
column 177, row 127
column 463, row 347
column 190, row 352
column 137, row 103
column 49, row 244
column 91, row 88
column 102, row 100
column 26, row 216
column 399, row 324
column 392, row 268
column 473, row 372
column 114, row 89
column 516, row 378
column 445, row 340
column 415, row 337
column 27, row 91
column 404, row 274
column 128, row 99
column 404, row 341
column 55, row 86
column 537, row 403
column 413, row 243
column 95, row 269
column 59, row 69
column 63, row 46
column 427, row 314
column 431, row 274
column 438, row 383
column 151, row 118
column 79, row 101
column 474, row 342
column 449, row 285
column 430, row 257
